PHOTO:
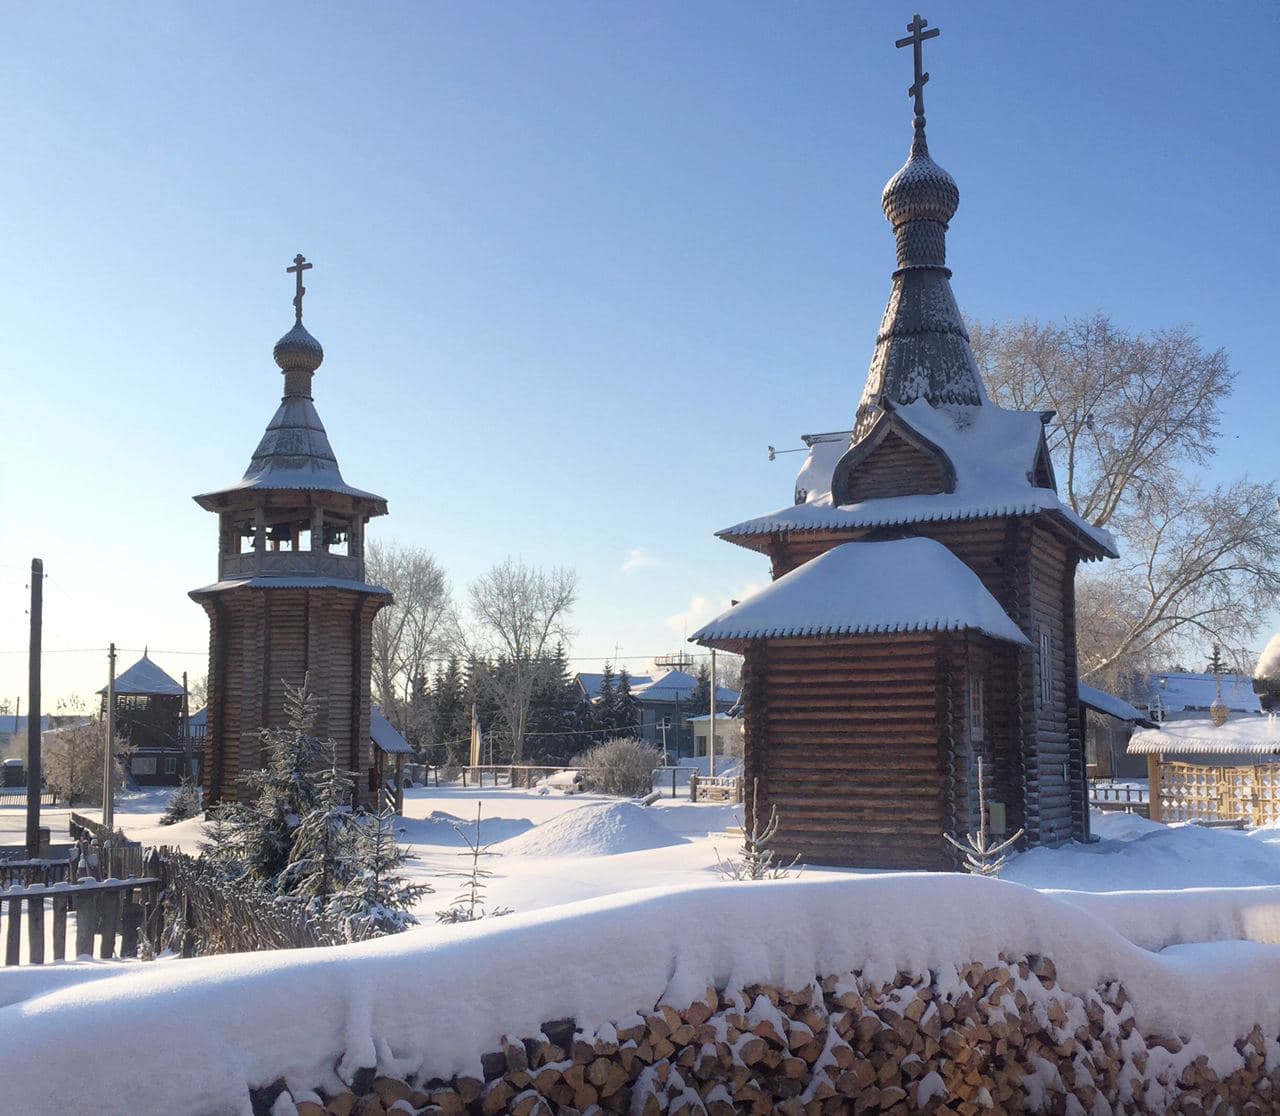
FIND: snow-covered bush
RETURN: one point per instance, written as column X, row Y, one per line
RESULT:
column 184, row 804
column 624, row 766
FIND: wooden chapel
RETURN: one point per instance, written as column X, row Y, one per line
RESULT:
column 922, row 611
column 291, row 599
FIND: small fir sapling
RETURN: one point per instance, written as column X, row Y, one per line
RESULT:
column 468, row 905
column 377, row 896
column 757, row 861
column 981, row 856
column 184, row 804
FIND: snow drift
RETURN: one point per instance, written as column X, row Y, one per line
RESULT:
column 597, row 829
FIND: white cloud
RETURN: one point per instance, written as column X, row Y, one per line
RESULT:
column 703, row 608
column 638, row 559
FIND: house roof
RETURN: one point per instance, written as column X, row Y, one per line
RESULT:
column 147, row 679
column 677, row 685
column 1111, row 705
column 992, row 451
column 1244, row 734
column 385, row 735
column 10, row 724
column 591, row 683
column 1188, row 691
column 906, row 585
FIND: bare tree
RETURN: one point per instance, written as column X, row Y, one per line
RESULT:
column 410, row 631
column 1137, row 416
column 518, row 613
column 1130, row 409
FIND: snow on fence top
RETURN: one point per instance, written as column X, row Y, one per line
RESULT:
column 906, row 585
column 432, row 1000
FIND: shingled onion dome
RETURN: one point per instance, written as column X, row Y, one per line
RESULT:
column 1266, row 677
column 298, row 354
column 922, row 350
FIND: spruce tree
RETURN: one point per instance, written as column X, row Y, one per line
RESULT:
column 376, row 896
column 700, row 699
column 628, row 711
column 606, row 704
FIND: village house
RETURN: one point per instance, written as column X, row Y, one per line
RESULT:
column 922, row 612
column 150, row 707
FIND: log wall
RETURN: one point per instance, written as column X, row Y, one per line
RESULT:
column 844, row 738
column 895, row 468
column 262, row 639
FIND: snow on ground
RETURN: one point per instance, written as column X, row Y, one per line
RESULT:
column 433, row 999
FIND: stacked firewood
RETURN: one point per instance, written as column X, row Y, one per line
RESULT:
column 983, row 1038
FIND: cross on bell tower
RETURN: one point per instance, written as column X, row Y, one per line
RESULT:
column 916, row 41
column 300, row 265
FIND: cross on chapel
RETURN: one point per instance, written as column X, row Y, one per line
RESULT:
column 300, row 265
column 916, row 39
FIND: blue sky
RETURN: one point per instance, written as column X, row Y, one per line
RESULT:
column 577, row 265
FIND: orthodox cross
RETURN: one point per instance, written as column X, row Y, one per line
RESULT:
column 916, row 39
column 300, row 265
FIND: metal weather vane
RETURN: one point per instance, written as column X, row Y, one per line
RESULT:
column 299, row 266
column 916, row 40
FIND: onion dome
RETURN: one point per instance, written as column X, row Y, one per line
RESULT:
column 298, row 351
column 921, row 190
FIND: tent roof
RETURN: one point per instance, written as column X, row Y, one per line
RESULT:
column 145, row 678
column 906, row 585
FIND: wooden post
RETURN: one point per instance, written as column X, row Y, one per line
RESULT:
column 693, row 786
column 35, row 926
column 187, row 772
column 400, row 783
column 108, row 750
column 86, row 908
column 1154, row 811
column 60, row 927
column 33, row 710
column 13, row 932
column 711, row 724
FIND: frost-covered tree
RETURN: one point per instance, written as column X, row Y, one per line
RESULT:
column 1136, row 418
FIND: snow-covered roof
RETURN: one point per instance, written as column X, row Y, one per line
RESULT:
column 992, row 451
column 814, row 479
column 1179, row 691
column 676, row 685
column 1244, row 734
column 385, row 735
column 145, row 678
column 906, row 585
column 198, row 722
column 291, row 581
column 590, row 683
column 1104, row 702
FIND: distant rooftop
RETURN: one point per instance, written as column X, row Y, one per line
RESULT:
column 145, row 678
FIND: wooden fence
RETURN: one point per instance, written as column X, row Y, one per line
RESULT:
column 715, row 788
column 1248, row 793
column 104, row 911
column 1105, row 795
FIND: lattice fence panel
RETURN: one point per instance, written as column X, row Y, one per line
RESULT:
column 1209, row 792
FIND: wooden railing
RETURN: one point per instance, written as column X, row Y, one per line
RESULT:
column 17, row 796
column 1126, row 798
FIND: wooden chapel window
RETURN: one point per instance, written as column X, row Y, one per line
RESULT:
column 1046, row 667
column 977, row 708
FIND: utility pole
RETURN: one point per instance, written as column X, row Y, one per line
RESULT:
column 33, row 710
column 711, row 724
column 187, row 773
column 108, row 756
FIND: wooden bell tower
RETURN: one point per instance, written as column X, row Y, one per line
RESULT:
column 291, row 597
